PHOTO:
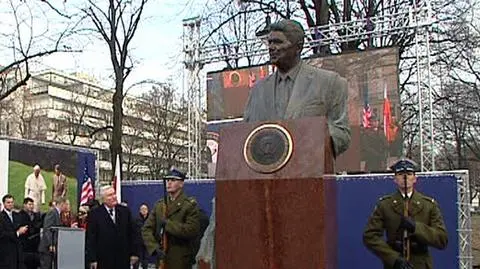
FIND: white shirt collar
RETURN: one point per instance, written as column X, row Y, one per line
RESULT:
column 409, row 194
column 58, row 210
column 9, row 214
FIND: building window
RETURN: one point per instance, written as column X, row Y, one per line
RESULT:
column 105, row 155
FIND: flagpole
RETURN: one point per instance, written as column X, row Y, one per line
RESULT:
column 117, row 179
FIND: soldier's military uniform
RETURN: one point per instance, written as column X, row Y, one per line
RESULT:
column 182, row 226
column 429, row 229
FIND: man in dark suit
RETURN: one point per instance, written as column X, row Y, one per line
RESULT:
column 52, row 219
column 31, row 239
column 113, row 238
column 11, row 256
column 298, row 90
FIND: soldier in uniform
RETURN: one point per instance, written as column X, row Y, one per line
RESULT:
column 182, row 225
column 424, row 223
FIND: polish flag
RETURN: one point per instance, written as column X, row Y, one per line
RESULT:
column 387, row 115
column 117, row 179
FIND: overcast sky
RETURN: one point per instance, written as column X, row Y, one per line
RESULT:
column 157, row 46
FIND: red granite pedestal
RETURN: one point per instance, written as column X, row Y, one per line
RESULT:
column 281, row 220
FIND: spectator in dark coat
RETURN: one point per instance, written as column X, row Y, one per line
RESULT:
column 11, row 254
column 113, row 237
column 52, row 219
column 31, row 239
column 143, row 258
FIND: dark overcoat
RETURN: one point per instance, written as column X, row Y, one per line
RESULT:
column 11, row 255
column 112, row 244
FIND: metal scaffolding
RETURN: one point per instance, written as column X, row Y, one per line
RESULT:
column 465, row 258
column 424, row 86
column 193, row 65
column 416, row 19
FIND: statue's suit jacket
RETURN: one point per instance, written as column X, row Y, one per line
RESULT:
column 316, row 92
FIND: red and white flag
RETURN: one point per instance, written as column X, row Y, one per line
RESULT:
column 387, row 115
column 117, row 179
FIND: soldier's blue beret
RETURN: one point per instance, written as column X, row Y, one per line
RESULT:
column 175, row 175
column 404, row 165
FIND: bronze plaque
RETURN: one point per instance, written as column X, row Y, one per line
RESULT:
column 268, row 148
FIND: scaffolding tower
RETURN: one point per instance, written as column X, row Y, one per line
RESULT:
column 422, row 26
column 193, row 65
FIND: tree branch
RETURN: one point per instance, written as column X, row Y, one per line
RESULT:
column 56, row 9
column 101, row 129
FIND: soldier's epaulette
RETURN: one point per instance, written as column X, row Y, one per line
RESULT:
column 385, row 197
column 192, row 200
column 429, row 199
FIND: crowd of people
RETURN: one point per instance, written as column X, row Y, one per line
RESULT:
column 114, row 237
column 25, row 240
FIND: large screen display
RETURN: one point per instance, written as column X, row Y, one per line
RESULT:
column 373, row 104
column 20, row 158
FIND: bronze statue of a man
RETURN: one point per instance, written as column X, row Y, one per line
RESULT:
column 296, row 89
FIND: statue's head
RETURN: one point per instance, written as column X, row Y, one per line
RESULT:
column 285, row 42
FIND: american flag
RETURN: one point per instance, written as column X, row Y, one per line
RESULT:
column 367, row 115
column 87, row 188
column 251, row 80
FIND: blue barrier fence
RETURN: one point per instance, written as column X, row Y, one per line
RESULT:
column 356, row 198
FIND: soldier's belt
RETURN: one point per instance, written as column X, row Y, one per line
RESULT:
column 415, row 247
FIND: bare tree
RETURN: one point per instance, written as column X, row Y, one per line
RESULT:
column 457, row 122
column 27, row 41
column 133, row 160
column 6, row 106
column 25, row 119
column 313, row 14
column 133, row 144
column 457, row 131
column 28, row 118
column 164, row 124
column 80, row 119
column 228, row 22
column 454, row 126
column 116, row 23
column 449, row 34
